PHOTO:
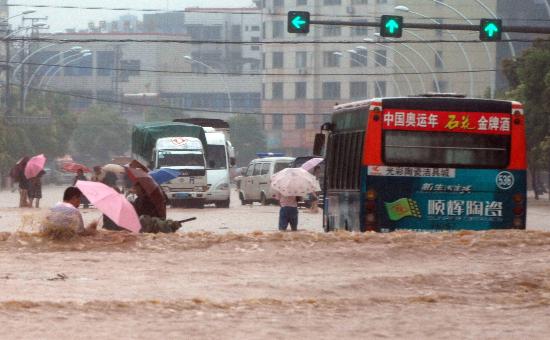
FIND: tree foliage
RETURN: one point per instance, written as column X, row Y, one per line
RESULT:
column 101, row 134
column 50, row 139
column 247, row 137
column 530, row 77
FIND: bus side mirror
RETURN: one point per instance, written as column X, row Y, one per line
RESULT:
column 318, row 144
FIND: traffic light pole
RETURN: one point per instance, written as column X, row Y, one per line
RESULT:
column 451, row 27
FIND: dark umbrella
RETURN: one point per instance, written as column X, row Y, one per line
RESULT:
column 137, row 165
column 151, row 188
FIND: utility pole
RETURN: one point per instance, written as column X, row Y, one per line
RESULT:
column 7, row 92
column 34, row 34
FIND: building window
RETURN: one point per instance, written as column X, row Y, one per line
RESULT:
column 358, row 90
column 332, row 31
column 379, row 88
column 300, row 90
column 381, row 1
column 332, row 2
column 330, row 59
column 439, row 33
column 105, row 62
column 301, row 2
column 278, row 60
column 359, row 58
column 443, row 86
column 278, row 29
column 254, row 48
column 277, row 90
column 278, row 3
column 301, row 59
column 255, row 28
column 300, row 121
column 380, row 57
column 277, row 121
column 359, row 2
column 439, row 59
column 359, row 30
column 331, row 90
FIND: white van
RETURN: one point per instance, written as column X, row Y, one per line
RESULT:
column 255, row 184
column 220, row 157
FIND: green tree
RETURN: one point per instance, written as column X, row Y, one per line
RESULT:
column 101, row 134
column 247, row 137
column 529, row 77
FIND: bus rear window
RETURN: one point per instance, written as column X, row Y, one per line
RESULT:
column 443, row 149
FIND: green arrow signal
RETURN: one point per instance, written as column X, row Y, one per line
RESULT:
column 297, row 22
column 491, row 29
column 392, row 26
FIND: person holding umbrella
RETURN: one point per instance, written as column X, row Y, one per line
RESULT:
column 35, row 189
column 81, row 177
column 290, row 184
column 65, row 215
column 18, row 175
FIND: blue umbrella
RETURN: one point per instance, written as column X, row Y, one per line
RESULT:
column 163, row 175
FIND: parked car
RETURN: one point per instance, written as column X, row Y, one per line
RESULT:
column 306, row 201
column 255, row 184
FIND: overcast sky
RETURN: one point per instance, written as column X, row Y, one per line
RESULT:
column 61, row 19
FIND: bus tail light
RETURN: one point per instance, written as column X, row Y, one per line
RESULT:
column 518, row 210
column 370, row 207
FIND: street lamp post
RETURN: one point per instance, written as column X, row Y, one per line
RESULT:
column 484, row 43
column 370, row 40
column 26, row 89
column 436, row 81
column 396, row 65
column 72, row 59
column 340, row 54
column 460, row 45
column 353, row 52
column 215, row 71
column 30, row 55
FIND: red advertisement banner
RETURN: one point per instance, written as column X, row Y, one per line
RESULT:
column 471, row 122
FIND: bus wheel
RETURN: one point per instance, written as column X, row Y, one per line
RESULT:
column 222, row 204
column 241, row 197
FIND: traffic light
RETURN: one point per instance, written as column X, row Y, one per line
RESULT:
column 298, row 22
column 490, row 30
column 391, row 26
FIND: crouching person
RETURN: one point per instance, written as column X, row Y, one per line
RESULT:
column 65, row 220
column 152, row 220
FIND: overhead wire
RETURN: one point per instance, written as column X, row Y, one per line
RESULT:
column 247, row 73
column 240, row 42
column 206, row 10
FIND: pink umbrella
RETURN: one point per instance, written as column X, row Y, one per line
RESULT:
column 311, row 164
column 35, row 165
column 294, row 182
column 111, row 203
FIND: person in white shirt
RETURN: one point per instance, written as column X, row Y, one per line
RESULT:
column 66, row 214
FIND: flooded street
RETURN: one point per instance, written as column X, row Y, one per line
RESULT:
column 208, row 282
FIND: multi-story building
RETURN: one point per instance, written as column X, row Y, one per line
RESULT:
column 228, row 61
column 304, row 80
column 335, row 64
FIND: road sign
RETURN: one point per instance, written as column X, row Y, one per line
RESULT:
column 298, row 22
column 391, row 26
column 490, row 30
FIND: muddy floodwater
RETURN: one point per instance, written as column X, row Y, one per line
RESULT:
column 270, row 285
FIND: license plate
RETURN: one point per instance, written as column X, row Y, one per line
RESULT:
column 182, row 195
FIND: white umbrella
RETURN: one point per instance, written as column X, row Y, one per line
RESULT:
column 117, row 169
column 312, row 163
column 294, row 182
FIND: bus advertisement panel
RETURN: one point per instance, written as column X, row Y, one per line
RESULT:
column 426, row 164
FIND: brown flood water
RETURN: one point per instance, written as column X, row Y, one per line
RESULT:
column 492, row 285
